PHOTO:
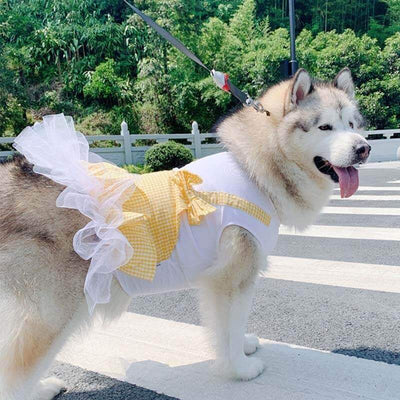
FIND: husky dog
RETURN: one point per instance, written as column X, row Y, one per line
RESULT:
column 309, row 141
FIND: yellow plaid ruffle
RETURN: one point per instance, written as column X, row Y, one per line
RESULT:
column 153, row 209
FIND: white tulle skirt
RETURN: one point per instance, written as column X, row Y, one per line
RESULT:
column 59, row 152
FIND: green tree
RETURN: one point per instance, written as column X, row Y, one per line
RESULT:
column 100, row 63
column 106, row 85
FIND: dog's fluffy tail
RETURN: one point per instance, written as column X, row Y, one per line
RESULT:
column 23, row 342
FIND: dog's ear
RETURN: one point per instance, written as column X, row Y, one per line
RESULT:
column 301, row 86
column 344, row 81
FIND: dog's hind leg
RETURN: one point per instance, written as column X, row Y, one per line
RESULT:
column 227, row 293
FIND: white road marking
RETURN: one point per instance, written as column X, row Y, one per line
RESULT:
column 377, row 188
column 367, row 197
column 379, row 165
column 361, row 210
column 394, row 182
column 345, row 232
column 383, row 278
column 173, row 358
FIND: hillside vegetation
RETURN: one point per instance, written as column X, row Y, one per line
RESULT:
column 94, row 60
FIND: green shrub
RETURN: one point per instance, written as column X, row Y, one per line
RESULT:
column 137, row 169
column 168, row 155
column 97, row 123
column 105, row 85
column 127, row 113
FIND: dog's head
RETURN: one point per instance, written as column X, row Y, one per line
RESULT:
column 321, row 126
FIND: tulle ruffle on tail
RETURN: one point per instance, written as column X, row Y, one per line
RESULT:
column 62, row 154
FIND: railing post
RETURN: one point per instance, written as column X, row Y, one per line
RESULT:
column 197, row 139
column 127, row 142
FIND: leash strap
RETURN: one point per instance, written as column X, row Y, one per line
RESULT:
column 167, row 36
column 221, row 80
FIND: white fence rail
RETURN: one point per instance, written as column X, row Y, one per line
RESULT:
column 385, row 149
column 127, row 150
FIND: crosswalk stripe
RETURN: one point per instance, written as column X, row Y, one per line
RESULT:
column 381, row 165
column 173, row 358
column 383, row 278
column 345, row 232
column 377, row 188
column 361, row 210
column 367, row 197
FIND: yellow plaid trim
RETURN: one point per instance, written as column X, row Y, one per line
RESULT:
column 231, row 200
column 153, row 211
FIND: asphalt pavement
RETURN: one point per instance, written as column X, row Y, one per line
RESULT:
column 323, row 312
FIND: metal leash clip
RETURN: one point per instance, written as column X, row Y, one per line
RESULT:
column 256, row 105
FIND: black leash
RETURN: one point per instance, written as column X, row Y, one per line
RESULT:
column 221, row 80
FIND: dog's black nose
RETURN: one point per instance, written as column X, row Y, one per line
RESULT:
column 363, row 150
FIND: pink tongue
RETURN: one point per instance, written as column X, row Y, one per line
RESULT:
column 348, row 180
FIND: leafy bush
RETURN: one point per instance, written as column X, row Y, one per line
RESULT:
column 105, row 85
column 127, row 113
column 96, row 123
column 168, row 155
column 137, row 169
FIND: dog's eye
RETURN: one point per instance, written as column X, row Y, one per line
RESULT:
column 351, row 125
column 326, row 127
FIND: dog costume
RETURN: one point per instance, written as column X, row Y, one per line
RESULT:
column 155, row 232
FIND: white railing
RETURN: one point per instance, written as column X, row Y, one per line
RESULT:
column 127, row 150
column 385, row 149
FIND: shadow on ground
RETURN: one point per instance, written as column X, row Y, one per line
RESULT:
column 86, row 385
column 371, row 353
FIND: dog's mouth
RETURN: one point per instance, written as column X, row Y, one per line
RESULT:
column 347, row 177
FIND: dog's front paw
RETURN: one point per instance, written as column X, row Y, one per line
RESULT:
column 251, row 344
column 247, row 368
column 49, row 388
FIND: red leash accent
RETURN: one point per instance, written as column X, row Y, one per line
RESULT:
column 226, row 85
